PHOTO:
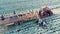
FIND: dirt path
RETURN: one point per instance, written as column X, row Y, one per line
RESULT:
column 56, row 11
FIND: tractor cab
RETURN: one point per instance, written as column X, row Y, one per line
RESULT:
column 45, row 12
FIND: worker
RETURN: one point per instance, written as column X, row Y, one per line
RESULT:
column 43, row 23
column 37, row 20
column 14, row 12
column 2, row 17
